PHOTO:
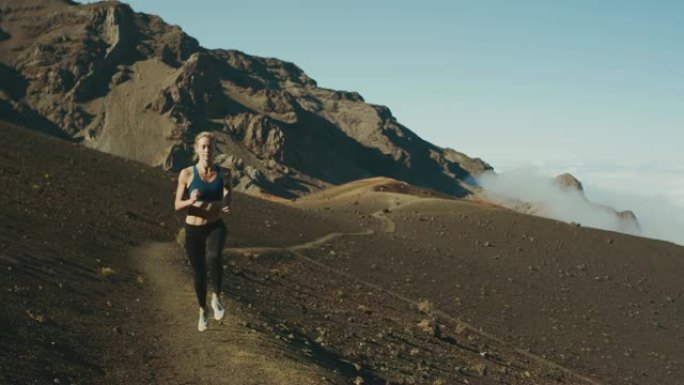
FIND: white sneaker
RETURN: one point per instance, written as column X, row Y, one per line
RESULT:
column 219, row 311
column 202, row 323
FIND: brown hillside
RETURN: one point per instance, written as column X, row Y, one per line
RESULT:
column 353, row 286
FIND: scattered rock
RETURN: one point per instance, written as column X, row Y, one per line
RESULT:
column 365, row 309
column 36, row 317
column 428, row 326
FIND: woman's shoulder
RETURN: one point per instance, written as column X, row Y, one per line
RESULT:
column 185, row 173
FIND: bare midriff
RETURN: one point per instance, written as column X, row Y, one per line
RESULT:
column 201, row 216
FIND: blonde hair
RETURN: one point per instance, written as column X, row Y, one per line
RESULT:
column 203, row 134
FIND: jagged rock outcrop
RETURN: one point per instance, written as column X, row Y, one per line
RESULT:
column 626, row 220
column 568, row 181
column 129, row 84
column 560, row 198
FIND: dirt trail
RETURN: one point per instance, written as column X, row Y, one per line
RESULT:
column 229, row 352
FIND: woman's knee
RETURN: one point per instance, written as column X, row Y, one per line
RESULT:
column 214, row 256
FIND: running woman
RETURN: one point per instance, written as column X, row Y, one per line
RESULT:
column 204, row 191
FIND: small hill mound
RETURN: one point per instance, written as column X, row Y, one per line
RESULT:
column 370, row 185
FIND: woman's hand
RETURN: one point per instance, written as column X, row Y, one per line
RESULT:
column 194, row 199
column 194, row 196
column 226, row 209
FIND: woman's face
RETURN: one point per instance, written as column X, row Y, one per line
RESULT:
column 205, row 149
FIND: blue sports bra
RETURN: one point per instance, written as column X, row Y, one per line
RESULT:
column 208, row 191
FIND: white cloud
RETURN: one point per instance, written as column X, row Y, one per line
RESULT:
column 655, row 193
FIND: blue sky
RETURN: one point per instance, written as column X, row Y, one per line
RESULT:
column 592, row 87
column 508, row 81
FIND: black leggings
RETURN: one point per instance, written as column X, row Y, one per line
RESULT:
column 202, row 243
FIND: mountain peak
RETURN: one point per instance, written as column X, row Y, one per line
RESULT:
column 567, row 180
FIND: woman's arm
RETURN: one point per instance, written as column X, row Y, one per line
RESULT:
column 180, row 203
column 227, row 191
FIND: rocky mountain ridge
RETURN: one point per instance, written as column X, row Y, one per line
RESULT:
column 129, row 84
column 562, row 198
column 627, row 220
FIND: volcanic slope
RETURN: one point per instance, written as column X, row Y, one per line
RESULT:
column 95, row 291
column 357, row 284
column 355, row 330
column 599, row 304
column 81, row 306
